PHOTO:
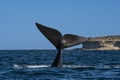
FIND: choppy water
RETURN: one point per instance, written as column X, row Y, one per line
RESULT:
column 77, row 65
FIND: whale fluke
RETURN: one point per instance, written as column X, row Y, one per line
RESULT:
column 53, row 35
column 59, row 41
column 71, row 40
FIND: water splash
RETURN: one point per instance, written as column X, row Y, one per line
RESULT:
column 69, row 66
column 29, row 66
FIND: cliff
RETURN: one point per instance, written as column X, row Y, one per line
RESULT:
column 102, row 43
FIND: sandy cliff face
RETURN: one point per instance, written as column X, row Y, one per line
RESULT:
column 102, row 43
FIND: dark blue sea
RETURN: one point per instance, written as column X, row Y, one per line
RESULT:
column 77, row 65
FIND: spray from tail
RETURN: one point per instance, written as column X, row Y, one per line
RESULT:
column 59, row 41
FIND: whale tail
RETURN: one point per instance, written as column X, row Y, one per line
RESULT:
column 55, row 37
column 59, row 41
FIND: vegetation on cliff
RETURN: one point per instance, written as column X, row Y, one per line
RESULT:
column 105, row 38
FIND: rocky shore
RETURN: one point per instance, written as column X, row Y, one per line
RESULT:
column 102, row 43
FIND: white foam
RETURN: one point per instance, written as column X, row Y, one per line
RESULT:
column 77, row 66
column 109, row 66
column 66, row 66
column 43, row 66
column 30, row 66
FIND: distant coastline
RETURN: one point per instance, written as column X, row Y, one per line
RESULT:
column 102, row 43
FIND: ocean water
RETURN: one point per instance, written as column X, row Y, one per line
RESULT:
column 77, row 65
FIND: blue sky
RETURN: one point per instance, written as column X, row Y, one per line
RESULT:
column 82, row 17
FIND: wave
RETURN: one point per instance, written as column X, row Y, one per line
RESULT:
column 69, row 66
column 30, row 66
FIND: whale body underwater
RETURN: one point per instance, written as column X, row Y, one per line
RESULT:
column 60, row 41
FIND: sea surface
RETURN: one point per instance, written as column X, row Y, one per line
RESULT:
column 77, row 65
